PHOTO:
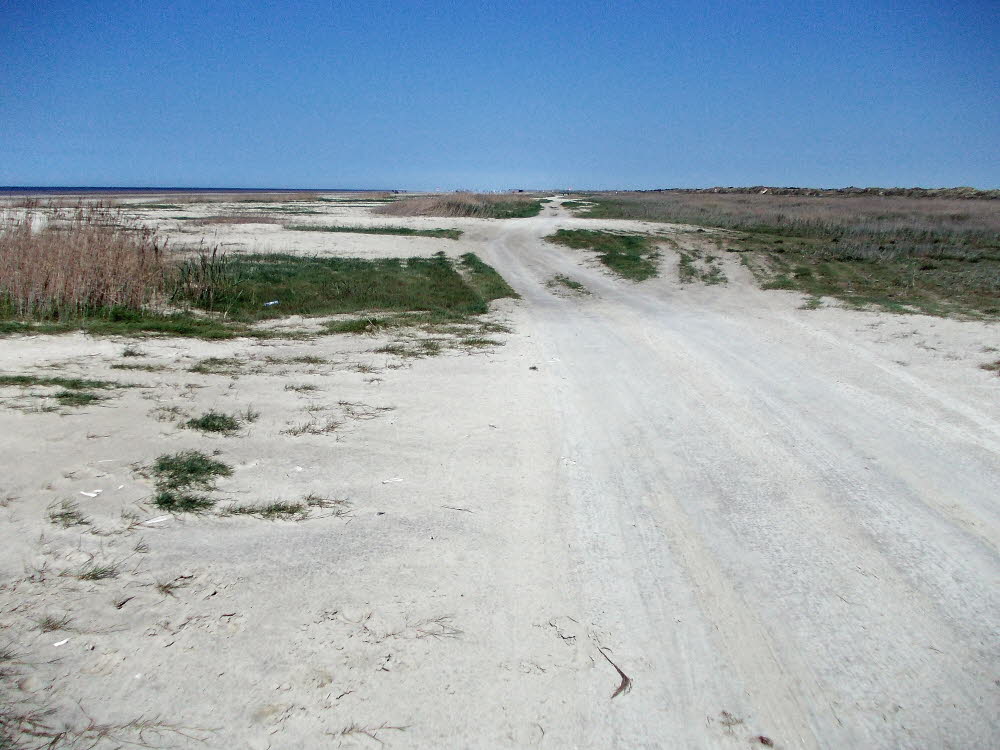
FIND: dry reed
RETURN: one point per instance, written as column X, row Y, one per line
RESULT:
column 479, row 205
column 71, row 263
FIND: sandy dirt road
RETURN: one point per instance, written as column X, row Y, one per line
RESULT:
column 780, row 524
column 762, row 518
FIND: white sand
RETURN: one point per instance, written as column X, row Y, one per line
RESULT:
column 775, row 521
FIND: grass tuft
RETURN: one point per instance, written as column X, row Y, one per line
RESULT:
column 214, row 421
column 269, row 511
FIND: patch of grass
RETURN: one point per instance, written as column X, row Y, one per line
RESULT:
column 93, row 571
column 269, row 511
column 131, row 351
column 301, row 387
column 448, row 234
column 67, row 513
column 314, row 426
column 142, row 368
column 478, row 342
column 51, row 623
column 330, row 286
column 414, row 349
column 693, row 266
column 992, row 366
column 304, row 359
column 214, row 421
column 485, row 279
column 71, row 384
column 631, row 256
column 561, row 280
column 218, row 366
column 479, row 205
column 77, row 398
column 175, row 476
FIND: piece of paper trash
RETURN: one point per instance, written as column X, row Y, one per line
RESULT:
column 299, row 468
column 158, row 519
column 272, row 303
column 63, row 642
column 120, row 486
column 95, row 493
column 394, row 479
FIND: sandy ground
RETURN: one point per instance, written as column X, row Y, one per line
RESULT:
column 781, row 524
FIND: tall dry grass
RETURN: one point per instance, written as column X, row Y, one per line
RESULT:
column 478, row 205
column 871, row 220
column 78, row 262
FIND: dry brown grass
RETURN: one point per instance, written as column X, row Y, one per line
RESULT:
column 70, row 262
column 837, row 215
column 479, row 205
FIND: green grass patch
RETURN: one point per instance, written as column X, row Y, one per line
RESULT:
column 484, row 278
column 77, row 398
column 72, row 384
column 631, row 256
column 214, row 421
column 448, row 234
column 330, row 286
column 177, row 476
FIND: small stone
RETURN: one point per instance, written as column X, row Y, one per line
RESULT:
column 30, row 684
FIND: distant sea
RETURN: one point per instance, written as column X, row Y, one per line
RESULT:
column 63, row 189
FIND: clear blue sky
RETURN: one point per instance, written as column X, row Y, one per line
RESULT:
column 441, row 94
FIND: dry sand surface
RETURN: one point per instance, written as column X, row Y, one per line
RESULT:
column 781, row 524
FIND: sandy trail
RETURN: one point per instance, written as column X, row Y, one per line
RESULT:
column 764, row 519
column 779, row 523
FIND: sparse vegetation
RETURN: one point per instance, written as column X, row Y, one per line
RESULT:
column 448, row 234
column 67, row 513
column 632, row 256
column 50, row 623
column 138, row 367
column 75, row 391
column 94, row 571
column 479, row 205
column 218, row 366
